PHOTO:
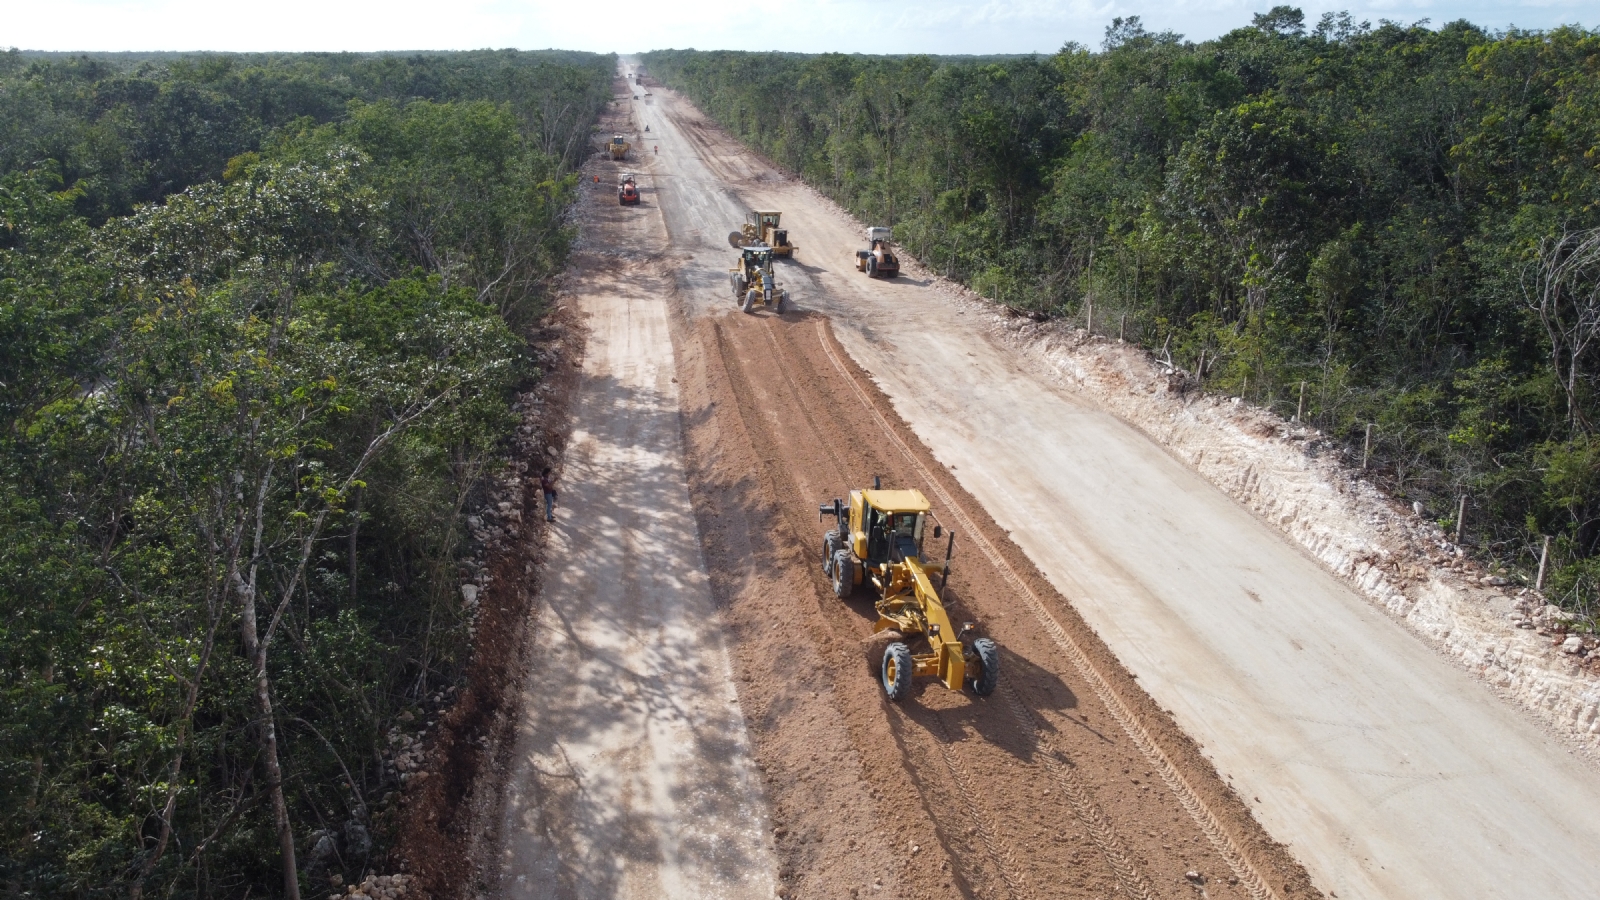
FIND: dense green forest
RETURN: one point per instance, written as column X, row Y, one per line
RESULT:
column 259, row 340
column 1401, row 219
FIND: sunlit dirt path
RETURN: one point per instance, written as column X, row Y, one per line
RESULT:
column 1386, row 771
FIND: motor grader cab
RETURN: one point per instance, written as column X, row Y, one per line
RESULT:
column 878, row 260
column 878, row 540
column 753, row 280
column 762, row 228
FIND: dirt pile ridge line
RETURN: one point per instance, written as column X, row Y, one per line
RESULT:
column 1242, row 866
column 1293, row 478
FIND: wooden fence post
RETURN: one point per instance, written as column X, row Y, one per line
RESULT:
column 1300, row 411
column 1366, row 448
column 1461, row 517
column 1544, row 559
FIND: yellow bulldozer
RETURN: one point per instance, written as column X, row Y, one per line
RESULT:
column 878, row 540
column 762, row 228
column 754, row 282
column 618, row 147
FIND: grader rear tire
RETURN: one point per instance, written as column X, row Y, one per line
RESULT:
column 897, row 669
column 988, row 678
column 844, row 574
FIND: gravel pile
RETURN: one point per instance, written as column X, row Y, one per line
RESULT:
column 381, row 887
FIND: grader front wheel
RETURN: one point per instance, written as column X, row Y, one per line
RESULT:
column 897, row 669
column 987, row 678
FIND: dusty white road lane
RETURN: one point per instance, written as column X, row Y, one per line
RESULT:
column 1390, row 773
column 632, row 774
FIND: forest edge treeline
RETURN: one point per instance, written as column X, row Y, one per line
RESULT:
column 260, row 324
column 1398, row 221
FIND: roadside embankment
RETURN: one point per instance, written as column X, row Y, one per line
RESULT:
column 1297, row 480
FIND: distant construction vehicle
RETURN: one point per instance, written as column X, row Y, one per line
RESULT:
column 627, row 191
column 754, row 283
column 878, row 540
column 762, row 228
column 878, row 260
column 618, row 147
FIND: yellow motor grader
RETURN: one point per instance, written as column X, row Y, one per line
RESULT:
column 762, row 228
column 753, row 280
column 878, row 540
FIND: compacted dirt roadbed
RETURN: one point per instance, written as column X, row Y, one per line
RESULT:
column 1388, row 771
column 651, row 762
column 701, row 715
column 1067, row 782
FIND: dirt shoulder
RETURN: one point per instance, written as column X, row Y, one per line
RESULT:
column 458, row 762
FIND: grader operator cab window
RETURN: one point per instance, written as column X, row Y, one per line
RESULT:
column 893, row 536
column 905, row 530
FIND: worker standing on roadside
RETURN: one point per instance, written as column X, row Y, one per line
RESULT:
column 547, row 485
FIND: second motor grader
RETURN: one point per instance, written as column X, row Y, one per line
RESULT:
column 754, row 282
column 761, row 227
column 878, row 541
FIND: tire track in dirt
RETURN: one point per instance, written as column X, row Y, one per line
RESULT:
column 999, row 851
column 1243, row 868
column 1131, row 879
column 1000, row 854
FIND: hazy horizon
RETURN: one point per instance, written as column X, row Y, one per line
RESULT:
column 629, row 26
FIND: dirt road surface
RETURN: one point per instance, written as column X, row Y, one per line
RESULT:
column 1386, row 771
column 1068, row 782
column 632, row 774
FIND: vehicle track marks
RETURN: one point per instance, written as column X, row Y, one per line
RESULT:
column 1243, row 868
column 1132, row 880
column 999, row 852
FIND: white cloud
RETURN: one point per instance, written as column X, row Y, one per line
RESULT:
column 849, row 26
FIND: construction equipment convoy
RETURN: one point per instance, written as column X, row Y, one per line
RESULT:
column 878, row 261
column 627, row 190
column 753, row 279
column 762, row 228
column 878, row 540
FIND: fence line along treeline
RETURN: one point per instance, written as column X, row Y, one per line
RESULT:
column 259, row 338
column 1401, row 219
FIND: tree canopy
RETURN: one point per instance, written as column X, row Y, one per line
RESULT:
column 1403, row 219
column 259, row 340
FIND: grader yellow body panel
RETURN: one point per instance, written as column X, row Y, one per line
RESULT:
column 879, row 541
column 762, row 227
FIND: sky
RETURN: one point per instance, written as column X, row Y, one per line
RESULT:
column 806, row 26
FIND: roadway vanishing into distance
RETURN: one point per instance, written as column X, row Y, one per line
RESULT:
column 1385, row 771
